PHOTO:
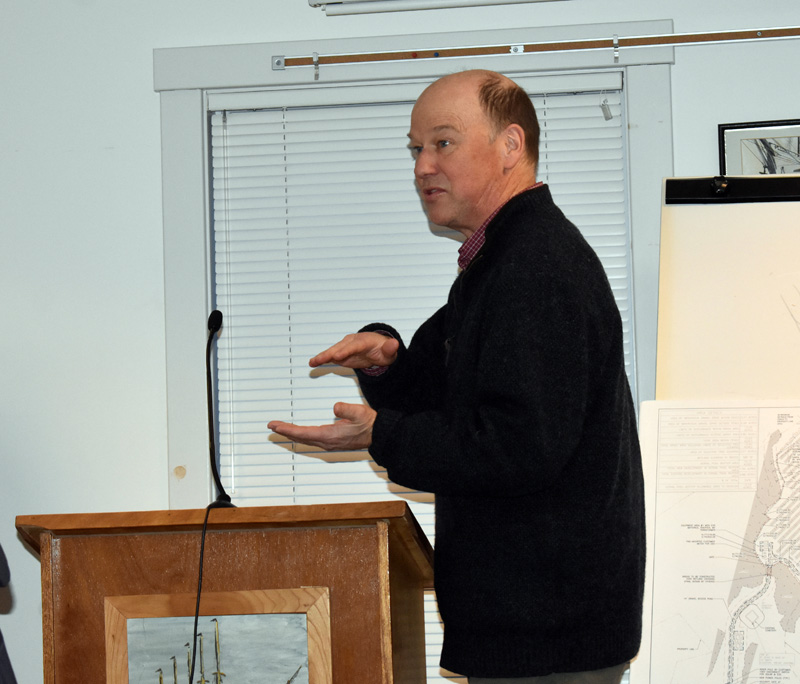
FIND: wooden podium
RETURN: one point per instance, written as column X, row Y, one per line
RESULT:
column 371, row 561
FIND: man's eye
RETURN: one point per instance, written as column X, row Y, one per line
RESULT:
column 443, row 143
column 415, row 150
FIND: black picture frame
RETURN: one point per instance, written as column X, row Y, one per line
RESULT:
column 758, row 148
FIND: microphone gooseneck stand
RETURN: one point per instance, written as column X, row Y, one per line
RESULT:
column 222, row 500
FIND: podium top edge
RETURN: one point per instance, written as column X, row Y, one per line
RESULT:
column 32, row 527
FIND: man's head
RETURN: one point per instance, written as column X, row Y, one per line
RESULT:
column 505, row 103
column 475, row 139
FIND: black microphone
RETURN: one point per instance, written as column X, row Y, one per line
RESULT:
column 214, row 321
column 223, row 500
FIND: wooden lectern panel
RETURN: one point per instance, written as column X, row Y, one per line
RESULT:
column 373, row 558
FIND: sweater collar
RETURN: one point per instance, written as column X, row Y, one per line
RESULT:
column 469, row 250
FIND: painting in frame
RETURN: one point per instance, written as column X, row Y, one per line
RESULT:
column 759, row 148
column 280, row 635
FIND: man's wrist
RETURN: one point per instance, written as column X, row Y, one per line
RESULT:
column 376, row 371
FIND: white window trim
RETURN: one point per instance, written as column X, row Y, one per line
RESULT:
column 185, row 76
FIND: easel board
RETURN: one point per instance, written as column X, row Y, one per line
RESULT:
column 729, row 295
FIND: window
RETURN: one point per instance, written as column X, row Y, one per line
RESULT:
column 318, row 230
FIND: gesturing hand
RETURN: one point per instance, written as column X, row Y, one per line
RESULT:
column 352, row 431
column 359, row 350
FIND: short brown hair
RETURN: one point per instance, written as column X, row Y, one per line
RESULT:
column 505, row 103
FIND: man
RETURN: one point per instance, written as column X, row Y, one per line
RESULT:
column 512, row 405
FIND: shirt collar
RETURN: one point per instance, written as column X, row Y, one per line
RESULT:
column 469, row 250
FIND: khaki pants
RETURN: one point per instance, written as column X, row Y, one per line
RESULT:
column 610, row 675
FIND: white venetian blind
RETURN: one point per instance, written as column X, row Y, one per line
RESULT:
column 318, row 230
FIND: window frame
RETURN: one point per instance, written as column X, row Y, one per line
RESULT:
column 185, row 77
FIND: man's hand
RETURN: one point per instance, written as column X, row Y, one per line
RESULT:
column 352, row 431
column 360, row 350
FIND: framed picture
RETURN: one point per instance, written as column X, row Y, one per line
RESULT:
column 275, row 635
column 759, row 148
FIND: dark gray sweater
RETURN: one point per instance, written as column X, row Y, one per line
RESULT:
column 512, row 405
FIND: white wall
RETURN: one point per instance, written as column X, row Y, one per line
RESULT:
column 82, row 407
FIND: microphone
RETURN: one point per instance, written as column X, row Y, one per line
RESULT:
column 223, row 500
column 214, row 321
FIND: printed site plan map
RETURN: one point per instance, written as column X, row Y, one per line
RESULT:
column 723, row 499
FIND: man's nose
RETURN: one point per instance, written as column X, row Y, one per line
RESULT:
column 424, row 164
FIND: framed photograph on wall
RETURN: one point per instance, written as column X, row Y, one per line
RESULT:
column 276, row 635
column 759, row 148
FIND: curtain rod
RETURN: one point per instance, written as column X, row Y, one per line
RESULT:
column 616, row 43
column 333, row 8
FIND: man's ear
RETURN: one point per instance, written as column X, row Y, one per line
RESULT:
column 514, row 144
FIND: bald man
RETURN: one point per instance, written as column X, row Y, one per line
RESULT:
column 512, row 405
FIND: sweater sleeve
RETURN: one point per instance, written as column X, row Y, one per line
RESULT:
column 413, row 382
column 509, row 425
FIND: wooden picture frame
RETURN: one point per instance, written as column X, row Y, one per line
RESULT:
column 313, row 602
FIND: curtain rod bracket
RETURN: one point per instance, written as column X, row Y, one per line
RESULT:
column 616, row 49
column 316, row 66
column 279, row 62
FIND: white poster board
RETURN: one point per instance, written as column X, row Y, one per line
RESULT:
column 722, row 597
column 729, row 300
column 721, row 446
